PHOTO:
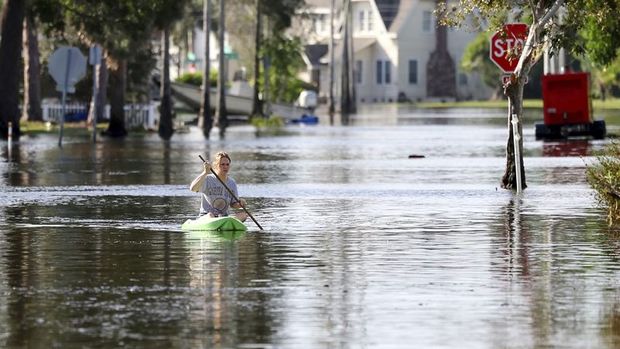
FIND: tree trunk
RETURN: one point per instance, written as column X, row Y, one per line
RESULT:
column 222, row 117
column 257, row 109
column 514, row 92
column 12, row 21
column 165, row 109
column 205, row 119
column 118, row 83
column 31, row 109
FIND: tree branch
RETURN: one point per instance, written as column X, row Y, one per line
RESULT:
column 552, row 11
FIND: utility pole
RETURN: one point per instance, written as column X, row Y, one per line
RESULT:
column 222, row 118
column 332, row 61
column 205, row 119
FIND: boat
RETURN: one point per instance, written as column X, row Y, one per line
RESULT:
column 206, row 223
column 306, row 119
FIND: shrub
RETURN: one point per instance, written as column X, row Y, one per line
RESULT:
column 604, row 177
column 196, row 78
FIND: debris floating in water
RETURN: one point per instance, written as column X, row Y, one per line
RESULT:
column 416, row 156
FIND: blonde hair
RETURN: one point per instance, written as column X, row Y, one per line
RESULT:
column 218, row 157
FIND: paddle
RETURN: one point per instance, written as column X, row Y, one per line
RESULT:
column 232, row 194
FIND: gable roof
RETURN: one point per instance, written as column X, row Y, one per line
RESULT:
column 402, row 15
column 318, row 3
column 389, row 10
column 315, row 52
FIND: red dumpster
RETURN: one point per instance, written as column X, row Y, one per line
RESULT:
column 566, row 107
column 565, row 99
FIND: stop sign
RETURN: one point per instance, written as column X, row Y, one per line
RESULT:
column 67, row 65
column 506, row 46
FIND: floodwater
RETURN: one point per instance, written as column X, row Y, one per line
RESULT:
column 363, row 246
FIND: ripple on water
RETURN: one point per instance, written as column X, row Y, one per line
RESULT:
column 362, row 246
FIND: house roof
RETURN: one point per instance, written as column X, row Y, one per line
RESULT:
column 389, row 10
column 361, row 43
column 401, row 16
column 318, row 3
column 315, row 52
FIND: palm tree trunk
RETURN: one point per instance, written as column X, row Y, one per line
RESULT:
column 165, row 109
column 118, row 83
column 31, row 109
column 257, row 109
column 12, row 21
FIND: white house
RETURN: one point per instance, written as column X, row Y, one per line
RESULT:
column 399, row 52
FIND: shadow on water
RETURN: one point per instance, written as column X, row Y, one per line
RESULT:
column 363, row 247
column 555, row 271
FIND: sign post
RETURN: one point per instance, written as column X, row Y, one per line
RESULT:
column 94, row 59
column 67, row 66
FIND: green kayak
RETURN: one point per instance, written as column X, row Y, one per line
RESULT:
column 214, row 224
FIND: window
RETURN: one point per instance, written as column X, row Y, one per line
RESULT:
column 358, row 71
column 379, row 72
column 413, row 72
column 364, row 21
column 319, row 24
column 388, row 72
column 427, row 21
column 361, row 21
column 462, row 79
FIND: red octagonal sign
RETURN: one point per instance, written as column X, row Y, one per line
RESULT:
column 506, row 46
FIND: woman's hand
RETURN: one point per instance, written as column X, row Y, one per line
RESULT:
column 239, row 204
column 207, row 167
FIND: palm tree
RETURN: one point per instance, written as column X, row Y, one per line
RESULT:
column 11, row 25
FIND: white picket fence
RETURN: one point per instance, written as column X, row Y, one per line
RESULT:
column 136, row 115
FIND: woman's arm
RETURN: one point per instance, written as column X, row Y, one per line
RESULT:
column 198, row 181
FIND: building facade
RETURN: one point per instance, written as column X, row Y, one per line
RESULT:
column 399, row 52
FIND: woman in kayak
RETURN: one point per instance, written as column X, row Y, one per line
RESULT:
column 216, row 200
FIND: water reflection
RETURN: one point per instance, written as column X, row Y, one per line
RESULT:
column 363, row 247
column 551, row 268
column 233, row 305
column 578, row 147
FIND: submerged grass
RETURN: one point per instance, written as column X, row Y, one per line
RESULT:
column 597, row 104
column 69, row 128
column 496, row 104
column 604, row 177
column 76, row 129
column 271, row 126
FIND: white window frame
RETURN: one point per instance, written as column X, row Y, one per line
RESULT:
column 413, row 74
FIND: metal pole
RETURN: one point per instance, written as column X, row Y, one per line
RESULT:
column 65, row 86
column 10, row 139
column 332, row 107
column 62, row 116
column 517, row 138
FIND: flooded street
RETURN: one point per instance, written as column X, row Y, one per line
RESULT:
column 363, row 246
